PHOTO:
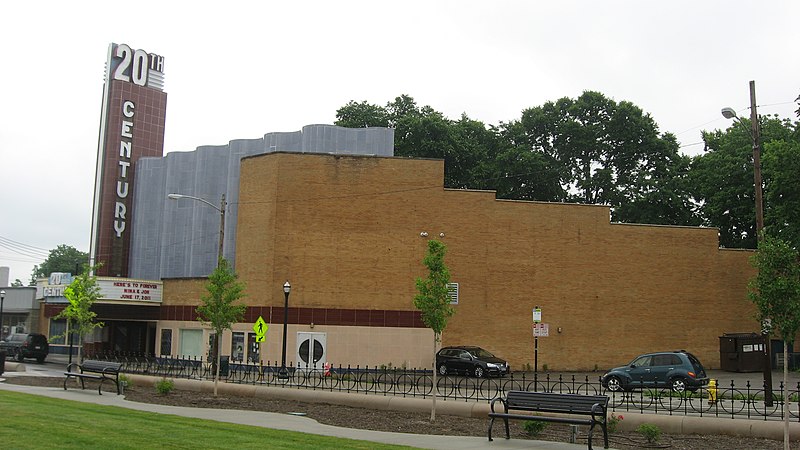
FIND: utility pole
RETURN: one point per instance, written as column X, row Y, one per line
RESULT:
column 765, row 332
column 221, row 228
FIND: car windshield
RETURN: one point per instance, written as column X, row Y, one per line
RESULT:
column 481, row 353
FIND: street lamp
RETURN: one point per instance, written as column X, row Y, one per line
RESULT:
column 755, row 137
column 283, row 374
column 220, row 208
column 2, row 299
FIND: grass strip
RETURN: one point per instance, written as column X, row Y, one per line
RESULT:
column 37, row 422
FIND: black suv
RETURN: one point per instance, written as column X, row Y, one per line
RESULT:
column 22, row 346
column 470, row 360
column 678, row 370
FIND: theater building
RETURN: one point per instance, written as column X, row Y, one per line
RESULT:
column 349, row 234
column 334, row 213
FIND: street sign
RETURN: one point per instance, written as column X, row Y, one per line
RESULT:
column 260, row 327
column 541, row 330
column 537, row 314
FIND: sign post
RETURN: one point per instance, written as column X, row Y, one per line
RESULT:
column 260, row 328
column 537, row 318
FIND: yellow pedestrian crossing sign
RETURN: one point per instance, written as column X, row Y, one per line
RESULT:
column 260, row 327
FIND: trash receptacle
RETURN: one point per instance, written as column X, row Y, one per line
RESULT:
column 741, row 352
column 224, row 365
column 2, row 361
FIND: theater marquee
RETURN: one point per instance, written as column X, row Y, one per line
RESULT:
column 131, row 127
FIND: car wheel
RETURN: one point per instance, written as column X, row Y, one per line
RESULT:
column 442, row 369
column 614, row 384
column 678, row 384
column 40, row 359
column 18, row 355
column 478, row 372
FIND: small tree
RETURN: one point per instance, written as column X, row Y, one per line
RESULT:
column 433, row 302
column 218, row 309
column 776, row 293
column 81, row 294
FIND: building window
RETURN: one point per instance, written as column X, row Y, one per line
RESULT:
column 237, row 347
column 191, row 343
column 58, row 331
column 252, row 349
column 166, row 342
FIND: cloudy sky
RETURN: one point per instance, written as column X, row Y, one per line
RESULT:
column 248, row 68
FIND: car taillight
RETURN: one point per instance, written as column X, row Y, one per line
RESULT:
column 691, row 374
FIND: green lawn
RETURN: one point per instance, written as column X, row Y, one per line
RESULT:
column 36, row 422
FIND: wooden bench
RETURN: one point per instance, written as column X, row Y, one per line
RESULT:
column 565, row 405
column 94, row 370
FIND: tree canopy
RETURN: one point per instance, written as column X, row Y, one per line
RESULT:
column 593, row 149
column 63, row 258
column 723, row 184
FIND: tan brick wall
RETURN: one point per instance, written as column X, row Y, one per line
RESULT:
column 345, row 231
column 184, row 291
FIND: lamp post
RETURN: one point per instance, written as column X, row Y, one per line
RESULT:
column 283, row 374
column 2, row 299
column 220, row 208
column 755, row 137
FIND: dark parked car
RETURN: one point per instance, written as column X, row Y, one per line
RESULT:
column 678, row 370
column 470, row 360
column 21, row 346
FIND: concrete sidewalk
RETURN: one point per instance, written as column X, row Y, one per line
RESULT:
column 300, row 424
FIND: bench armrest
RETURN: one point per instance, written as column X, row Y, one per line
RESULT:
column 599, row 410
column 501, row 399
column 73, row 365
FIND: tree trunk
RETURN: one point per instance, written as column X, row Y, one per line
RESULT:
column 786, row 398
column 217, row 358
column 435, row 372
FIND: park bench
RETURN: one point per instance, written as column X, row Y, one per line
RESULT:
column 518, row 405
column 94, row 370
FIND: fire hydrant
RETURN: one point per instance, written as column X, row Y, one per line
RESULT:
column 712, row 391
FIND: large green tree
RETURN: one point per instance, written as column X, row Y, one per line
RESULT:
column 218, row 308
column 433, row 302
column 422, row 132
column 722, row 181
column 604, row 152
column 775, row 291
column 63, row 258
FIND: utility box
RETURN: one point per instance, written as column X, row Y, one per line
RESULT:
column 741, row 352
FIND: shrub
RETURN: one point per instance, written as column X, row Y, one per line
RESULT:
column 165, row 386
column 534, row 427
column 125, row 380
column 613, row 421
column 650, row 432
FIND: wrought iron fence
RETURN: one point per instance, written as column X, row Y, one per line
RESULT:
column 725, row 401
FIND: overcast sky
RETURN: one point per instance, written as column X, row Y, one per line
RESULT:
column 237, row 70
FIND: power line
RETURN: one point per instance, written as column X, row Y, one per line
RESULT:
column 23, row 249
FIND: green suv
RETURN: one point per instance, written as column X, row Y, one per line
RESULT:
column 678, row 370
